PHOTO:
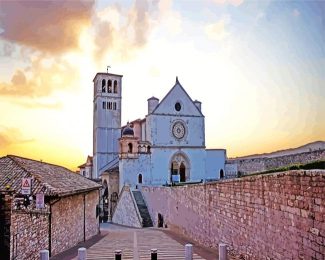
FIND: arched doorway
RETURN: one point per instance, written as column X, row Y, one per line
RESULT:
column 179, row 168
column 140, row 178
column 222, row 175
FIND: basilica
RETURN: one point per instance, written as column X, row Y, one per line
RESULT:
column 165, row 147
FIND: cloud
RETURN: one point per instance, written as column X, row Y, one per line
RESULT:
column 37, row 103
column 123, row 37
column 217, row 31
column 232, row 2
column 49, row 26
column 44, row 76
column 10, row 136
column 295, row 13
column 6, row 49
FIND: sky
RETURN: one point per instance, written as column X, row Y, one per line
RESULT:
column 258, row 67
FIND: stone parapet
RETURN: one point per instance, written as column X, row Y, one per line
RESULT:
column 253, row 165
column 272, row 216
column 126, row 212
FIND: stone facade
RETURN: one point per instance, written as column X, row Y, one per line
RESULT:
column 29, row 234
column 68, row 220
column 274, row 216
column 92, row 223
column 253, row 165
column 126, row 212
column 30, row 230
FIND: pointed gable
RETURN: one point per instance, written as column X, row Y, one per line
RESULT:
column 176, row 95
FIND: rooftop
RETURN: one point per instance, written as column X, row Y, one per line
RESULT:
column 54, row 179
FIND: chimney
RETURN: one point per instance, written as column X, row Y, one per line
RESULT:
column 152, row 104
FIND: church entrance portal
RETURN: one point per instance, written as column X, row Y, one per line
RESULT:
column 179, row 169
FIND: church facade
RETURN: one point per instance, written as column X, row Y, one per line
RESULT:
column 166, row 146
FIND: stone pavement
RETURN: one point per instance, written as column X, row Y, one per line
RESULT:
column 136, row 244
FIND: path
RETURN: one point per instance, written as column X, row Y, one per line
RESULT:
column 136, row 244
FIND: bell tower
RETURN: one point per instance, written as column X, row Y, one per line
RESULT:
column 106, row 120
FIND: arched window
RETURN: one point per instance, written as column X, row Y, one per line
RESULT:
column 140, row 178
column 109, row 86
column 130, row 147
column 115, row 86
column 109, row 105
column 222, row 175
column 103, row 85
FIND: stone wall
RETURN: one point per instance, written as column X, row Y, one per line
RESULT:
column 126, row 212
column 30, row 229
column 68, row 220
column 253, row 165
column 5, row 219
column 92, row 222
column 274, row 216
column 29, row 234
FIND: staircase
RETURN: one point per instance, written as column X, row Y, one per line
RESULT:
column 146, row 219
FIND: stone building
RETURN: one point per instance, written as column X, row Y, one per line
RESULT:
column 165, row 147
column 60, row 211
column 86, row 169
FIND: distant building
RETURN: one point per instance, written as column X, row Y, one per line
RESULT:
column 68, row 216
column 86, row 169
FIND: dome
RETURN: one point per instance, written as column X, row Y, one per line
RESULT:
column 128, row 130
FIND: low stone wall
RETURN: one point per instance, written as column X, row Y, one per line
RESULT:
column 275, row 216
column 253, row 165
column 126, row 211
column 29, row 234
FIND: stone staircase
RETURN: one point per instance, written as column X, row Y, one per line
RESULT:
column 142, row 207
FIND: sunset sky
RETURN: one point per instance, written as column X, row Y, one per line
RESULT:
column 258, row 67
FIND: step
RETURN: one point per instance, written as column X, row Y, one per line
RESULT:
column 143, row 210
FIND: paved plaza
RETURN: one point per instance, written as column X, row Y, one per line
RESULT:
column 136, row 244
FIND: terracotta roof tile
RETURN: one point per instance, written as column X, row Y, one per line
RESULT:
column 56, row 179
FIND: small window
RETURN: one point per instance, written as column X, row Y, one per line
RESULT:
column 148, row 149
column 104, row 105
column 140, row 178
column 109, row 105
column 103, row 85
column 130, row 147
column 222, row 175
column 178, row 106
column 115, row 86
column 109, row 86
column 114, row 105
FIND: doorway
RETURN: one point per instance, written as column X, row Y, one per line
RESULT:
column 182, row 173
